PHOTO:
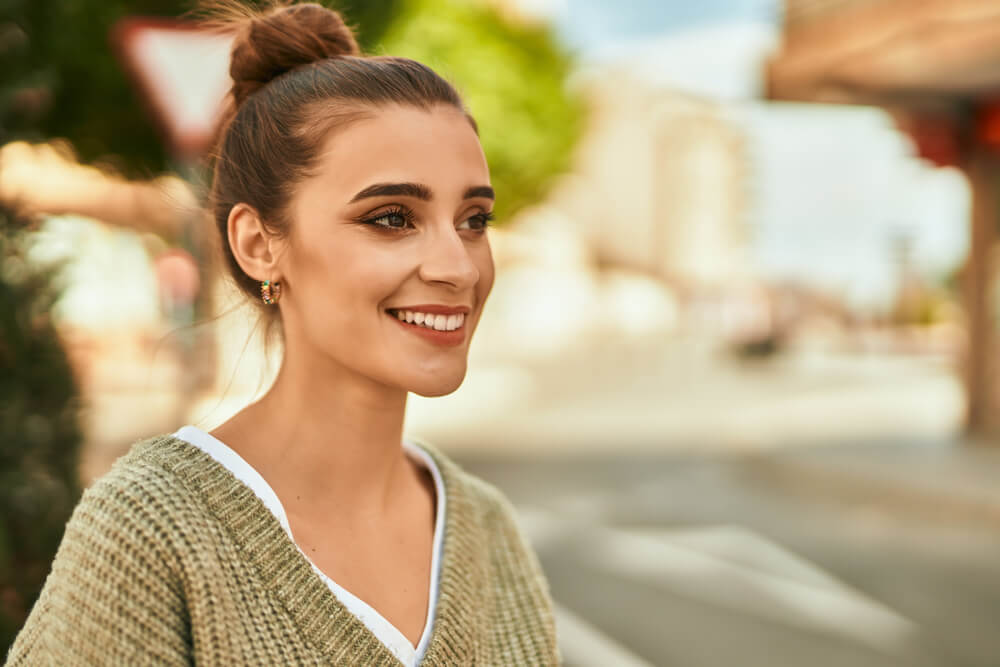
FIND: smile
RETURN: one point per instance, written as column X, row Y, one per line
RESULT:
column 440, row 328
column 430, row 320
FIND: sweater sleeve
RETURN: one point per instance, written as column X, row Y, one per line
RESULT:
column 114, row 595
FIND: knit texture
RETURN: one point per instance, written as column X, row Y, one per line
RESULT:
column 168, row 559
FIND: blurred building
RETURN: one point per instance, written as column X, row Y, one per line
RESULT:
column 660, row 183
column 935, row 65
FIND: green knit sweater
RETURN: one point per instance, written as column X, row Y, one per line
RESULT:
column 170, row 560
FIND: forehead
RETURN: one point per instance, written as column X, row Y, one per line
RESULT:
column 436, row 147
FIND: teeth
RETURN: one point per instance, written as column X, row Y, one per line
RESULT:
column 436, row 322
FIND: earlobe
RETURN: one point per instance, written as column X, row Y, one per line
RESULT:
column 251, row 243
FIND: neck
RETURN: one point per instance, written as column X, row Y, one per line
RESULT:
column 326, row 439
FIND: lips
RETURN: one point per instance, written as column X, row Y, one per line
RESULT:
column 442, row 325
column 431, row 321
column 434, row 308
column 432, row 316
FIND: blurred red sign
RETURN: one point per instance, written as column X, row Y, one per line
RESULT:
column 936, row 136
column 988, row 124
column 182, row 72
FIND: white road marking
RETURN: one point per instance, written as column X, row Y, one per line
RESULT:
column 583, row 645
column 733, row 568
column 742, row 546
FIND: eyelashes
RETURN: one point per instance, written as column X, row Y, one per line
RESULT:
column 482, row 219
column 400, row 218
column 396, row 218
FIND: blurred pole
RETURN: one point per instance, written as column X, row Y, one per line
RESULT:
column 181, row 71
column 983, row 171
column 197, row 344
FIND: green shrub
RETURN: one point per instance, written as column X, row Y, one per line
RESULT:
column 40, row 434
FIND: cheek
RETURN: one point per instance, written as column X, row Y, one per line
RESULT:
column 341, row 284
column 487, row 272
column 318, row 273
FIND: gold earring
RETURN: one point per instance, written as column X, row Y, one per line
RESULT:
column 270, row 292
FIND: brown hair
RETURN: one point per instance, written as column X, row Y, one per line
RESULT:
column 297, row 75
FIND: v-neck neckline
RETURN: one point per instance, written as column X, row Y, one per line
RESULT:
column 383, row 628
column 322, row 618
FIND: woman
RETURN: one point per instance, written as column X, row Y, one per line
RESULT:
column 352, row 196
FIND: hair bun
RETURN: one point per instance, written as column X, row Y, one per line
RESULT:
column 284, row 38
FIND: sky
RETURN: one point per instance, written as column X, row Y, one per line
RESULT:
column 833, row 187
column 587, row 26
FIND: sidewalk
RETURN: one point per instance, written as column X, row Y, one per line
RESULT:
column 873, row 430
column 879, row 431
column 686, row 396
column 949, row 480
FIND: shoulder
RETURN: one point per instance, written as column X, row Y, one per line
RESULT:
column 141, row 483
column 124, row 511
column 141, row 502
column 116, row 577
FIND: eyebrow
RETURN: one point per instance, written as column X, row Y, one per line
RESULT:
column 417, row 191
column 476, row 191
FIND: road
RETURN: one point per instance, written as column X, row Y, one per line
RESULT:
column 703, row 562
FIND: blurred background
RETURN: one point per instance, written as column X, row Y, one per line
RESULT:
column 738, row 372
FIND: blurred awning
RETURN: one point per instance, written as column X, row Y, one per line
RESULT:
column 935, row 65
column 887, row 51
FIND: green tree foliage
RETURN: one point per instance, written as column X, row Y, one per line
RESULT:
column 512, row 77
column 39, row 429
column 62, row 79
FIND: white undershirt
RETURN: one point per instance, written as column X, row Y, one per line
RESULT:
column 387, row 633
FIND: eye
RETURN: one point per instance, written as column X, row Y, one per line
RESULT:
column 478, row 222
column 397, row 218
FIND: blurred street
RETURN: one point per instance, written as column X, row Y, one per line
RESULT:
column 702, row 510
column 689, row 394
column 705, row 561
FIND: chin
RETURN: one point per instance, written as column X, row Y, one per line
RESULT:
column 437, row 386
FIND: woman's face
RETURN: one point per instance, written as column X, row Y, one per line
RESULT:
column 388, row 264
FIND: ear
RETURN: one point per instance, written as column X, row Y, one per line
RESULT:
column 255, row 249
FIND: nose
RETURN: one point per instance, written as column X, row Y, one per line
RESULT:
column 447, row 260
